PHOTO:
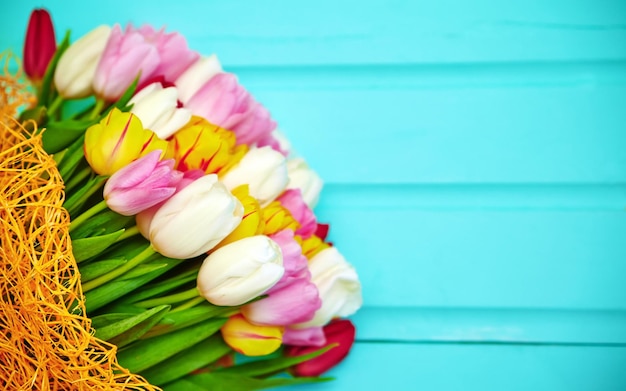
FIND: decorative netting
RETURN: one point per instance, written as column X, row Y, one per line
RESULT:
column 46, row 340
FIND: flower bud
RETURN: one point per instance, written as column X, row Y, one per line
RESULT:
column 194, row 77
column 292, row 200
column 117, row 140
column 126, row 56
column 249, row 339
column 338, row 285
column 74, row 74
column 341, row 332
column 240, row 271
column 195, row 219
column 252, row 222
column 278, row 218
column 303, row 178
column 141, row 184
column 264, row 170
column 157, row 108
column 40, row 44
column 310, row 336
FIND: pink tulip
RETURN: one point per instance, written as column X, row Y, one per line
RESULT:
column 294, row 303
column 295, row 264
column 310, row 336
column 125, row 56
column 175, row 55
column 141, row 184
column 144, row 218
column 341, row 332
column 275, row 141
column 292, row 200
column 40, row 44
column 224, row 102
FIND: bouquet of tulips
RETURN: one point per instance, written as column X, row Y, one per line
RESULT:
column 201, row 262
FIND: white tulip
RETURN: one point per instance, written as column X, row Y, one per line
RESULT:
column 196, row 75
column 195, row 219
column 303, row 178
column 157, row 109
column 75, row 71
column 240, row 271
column 338, row 286
column 264, row 170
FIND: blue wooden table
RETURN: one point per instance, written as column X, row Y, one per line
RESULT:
column 474, row 156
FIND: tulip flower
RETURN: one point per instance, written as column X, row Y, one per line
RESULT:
column 175, row 56
column 223, row 101
column 157, row 109
column 194, row 219
column 118, row 140
column 196, row 75
column 310, row 336
column 277, row 141
column 240, row 271
column 200, row 145
column 264, row 170
column 312, row 246
column 126, row 56
column 141, row 184
column 294, row 263
column 40, row 44
column 252, row 223
column 293, row 303
column 292, row 200
column 76, row 69
column 341, row 332
column 303, row 178
column 278, row 218
column 249, row 339
column 338, row 285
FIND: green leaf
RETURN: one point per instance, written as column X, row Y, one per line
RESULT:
column 216, row 381
column 165, row 286
column 72, row 157
column 60, row 135
column 273, row 365
column 39, row 114
column 128, row 330
column 149, row 352
column 104, row 222
column 46, row 84
column 86, row 248
column 187, row 361
column 113, row 290
column 76, row 201
column 142, row 269
column 177, row 320
column 122, row 102
column 98, row 268
column 99, row 321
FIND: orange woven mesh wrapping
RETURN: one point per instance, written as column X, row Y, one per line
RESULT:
column 45, row 340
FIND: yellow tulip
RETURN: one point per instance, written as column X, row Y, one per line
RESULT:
column 249, row 339
column 200, row 145
column 278, row 218
column 312, row 245
column 118, row 140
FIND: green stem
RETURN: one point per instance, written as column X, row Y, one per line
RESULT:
column 97, row 109
column 136, row 260
column 189, row 304
column 55, row 105
column 77, row 178
column 97, row 208
column 74, row 203
column 128, row 233
column 171, row 299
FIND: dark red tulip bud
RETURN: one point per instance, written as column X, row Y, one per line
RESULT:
column 322, row 230
column 40, row 44
column 341, row 332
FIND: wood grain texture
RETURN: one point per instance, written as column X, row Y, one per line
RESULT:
column 475, row 168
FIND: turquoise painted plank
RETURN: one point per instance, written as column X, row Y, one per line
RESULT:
column 518, row 325
column 522, row 134
column 492, row 258
column 349, row 32
column 447, row 367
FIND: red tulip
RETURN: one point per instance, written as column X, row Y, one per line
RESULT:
column 339, row 332
column 40, row 44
